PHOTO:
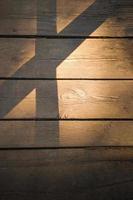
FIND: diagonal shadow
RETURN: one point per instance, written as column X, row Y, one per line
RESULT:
column 64, row 49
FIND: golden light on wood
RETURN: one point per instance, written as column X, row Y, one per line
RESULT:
column 66, row 102
column 97, row 58
column 69, row 58
column 84, row 133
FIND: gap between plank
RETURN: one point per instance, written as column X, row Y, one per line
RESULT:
column 65, row 37
column 67, row 79
column 67, row 147
column 70, row 119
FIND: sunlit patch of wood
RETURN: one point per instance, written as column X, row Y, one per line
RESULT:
column 97, row 58
column 99, row 133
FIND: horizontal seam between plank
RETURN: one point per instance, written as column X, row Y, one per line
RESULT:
column 70, row 119
column 68, row 79
column 65, row 37
column 68, row 147
column 90, row 148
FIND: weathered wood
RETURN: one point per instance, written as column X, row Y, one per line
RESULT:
column 94, row 17
column 64, row 156
column 66, row 99
column 66, row 174
column 62, row 172
column 66, row 58
column 65, row 133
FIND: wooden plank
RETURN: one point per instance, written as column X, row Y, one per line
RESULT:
column 66, row 99
column 65, row 133
column 64, row 156
column 94, row 17
column 63, row 174
column 66, row 58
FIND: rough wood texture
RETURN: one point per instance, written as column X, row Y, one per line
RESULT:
column 73, row 99
column 51, row 17
column 66, row 174
column 66, row 58
column 65, row 133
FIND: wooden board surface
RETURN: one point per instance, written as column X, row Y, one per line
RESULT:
column 66, row 99
column 66, row 174
column 66, row 139
column 65, row 133
column 66, row 58
column 51, row 17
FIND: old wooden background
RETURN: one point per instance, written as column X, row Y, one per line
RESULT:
column 66, row 99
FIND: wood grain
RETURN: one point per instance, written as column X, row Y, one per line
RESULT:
column 65, row 133
column 66, row 58
column 46, row 150
column 94, row 17
column 66, row 99
column 76, row 174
